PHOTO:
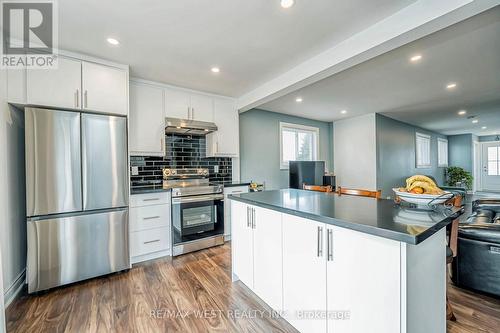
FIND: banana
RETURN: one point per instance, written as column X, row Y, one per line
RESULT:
column 420, row 178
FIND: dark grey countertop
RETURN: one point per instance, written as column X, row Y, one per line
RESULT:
column 376, row 217
column 149, row 189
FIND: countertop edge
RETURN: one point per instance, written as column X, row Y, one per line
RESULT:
column 412, row 240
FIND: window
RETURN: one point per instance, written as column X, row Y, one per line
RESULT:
column 494, row 161
column 442, row 152
column 298, row 143
column 423, row 150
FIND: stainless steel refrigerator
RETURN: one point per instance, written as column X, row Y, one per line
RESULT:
column 76, row 196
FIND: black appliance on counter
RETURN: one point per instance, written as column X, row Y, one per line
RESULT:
column 306, row 172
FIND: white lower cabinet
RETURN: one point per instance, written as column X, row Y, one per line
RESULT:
column 267, row 252
column 364, row 280
column 323, row 278
column 304, row 273
column 150, row 225
column 257, row 251
column 242, row 243
column 227, row 207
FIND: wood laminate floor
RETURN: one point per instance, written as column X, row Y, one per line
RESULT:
column 169, row 295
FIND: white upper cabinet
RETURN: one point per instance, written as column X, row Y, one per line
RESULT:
column 104, row 89
column 177, row 104
column 202, row 108
column 74, row 84
column 224, row 142
column 185, row 105
column 146, row 121
column 59, row 87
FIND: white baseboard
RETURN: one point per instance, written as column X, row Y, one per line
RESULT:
column 227, row 238
column 13, row 291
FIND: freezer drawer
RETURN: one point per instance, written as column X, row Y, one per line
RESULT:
column 76, row 247
column 104, row 162
column 53, row 164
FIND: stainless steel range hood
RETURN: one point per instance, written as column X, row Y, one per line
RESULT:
column 186, row 126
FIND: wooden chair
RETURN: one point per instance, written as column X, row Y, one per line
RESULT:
column 451, row 253
column 318, row 188
column 361, row 193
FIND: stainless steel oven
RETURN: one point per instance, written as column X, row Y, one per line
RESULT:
column 197, row 214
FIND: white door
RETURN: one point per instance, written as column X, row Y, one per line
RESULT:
column 202, row 108
column 267, row 271
column 490, row 179
column 146, row 122
column 177, row 104
column 304, row 273
column 242, row 243
column 105, row 89
column 227, row 135
column 354, row 275
column 59, row 87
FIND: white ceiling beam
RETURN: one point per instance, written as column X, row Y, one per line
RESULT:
column 407, row 25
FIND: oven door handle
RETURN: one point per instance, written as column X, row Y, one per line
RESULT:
column 197, row 198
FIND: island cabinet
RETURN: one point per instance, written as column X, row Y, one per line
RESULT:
column 257, row 251
column 325, row 278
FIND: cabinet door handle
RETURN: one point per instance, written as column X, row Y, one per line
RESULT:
column 85, row 100
column 248, row 217
column 320, row 241
column 152, row 241
column 254, row 224
column 152, row 199
column 330, row 245
column 217, row 146
column 192, row 113
column 77, row 98
column 151, row 217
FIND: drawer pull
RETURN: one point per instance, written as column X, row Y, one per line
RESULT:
column 153, row 241
column 151, row 218
column 152, row 199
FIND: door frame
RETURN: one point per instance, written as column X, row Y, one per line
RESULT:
column 476, row 162
column 2, row 301
column 482, row 144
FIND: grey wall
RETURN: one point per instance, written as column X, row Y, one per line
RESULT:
column 396, row 154
column 487, row 138
column 460, row 151
column 355, row 152
column 260, row 146
column 12, row 193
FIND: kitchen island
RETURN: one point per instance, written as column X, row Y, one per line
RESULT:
column 330, row 263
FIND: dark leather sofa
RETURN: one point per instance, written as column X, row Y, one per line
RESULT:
column 477, row 265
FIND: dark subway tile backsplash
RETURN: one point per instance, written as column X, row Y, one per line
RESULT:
column 183, row 151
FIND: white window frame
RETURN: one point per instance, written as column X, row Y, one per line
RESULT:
column 442, row 160
column 418, row 158
column 298, row 128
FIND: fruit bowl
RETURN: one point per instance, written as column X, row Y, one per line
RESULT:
column 423, row 199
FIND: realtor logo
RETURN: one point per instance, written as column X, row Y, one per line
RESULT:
column 29, row 33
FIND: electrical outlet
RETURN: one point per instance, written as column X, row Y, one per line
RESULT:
column 135, row 171
column 216, row 168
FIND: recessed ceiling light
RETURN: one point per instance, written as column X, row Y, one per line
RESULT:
column 287, row 3
column 475, row 121
column 416, row 58
column 215, row 69
column 462, row 112
column 113, row 41
column 451, row 85
column 484, row 127
column 343, row 111
column 299, row 100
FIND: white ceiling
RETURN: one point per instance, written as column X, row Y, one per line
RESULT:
column 177, row 42
column 467, row 53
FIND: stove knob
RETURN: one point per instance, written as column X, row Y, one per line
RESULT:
column 205, row 172
column 174, row 172
column 166, row 172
